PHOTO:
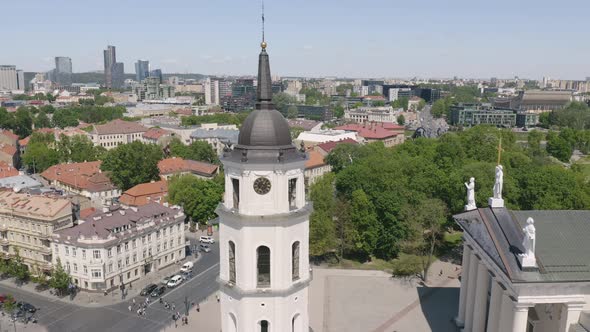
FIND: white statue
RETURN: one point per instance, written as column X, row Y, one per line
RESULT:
column 470, row 195
column 499, row 182
column 529, row 237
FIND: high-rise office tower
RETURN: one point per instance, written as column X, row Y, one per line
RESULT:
column 211, row 91
column 20, row 80
column 142, row 70
column 118, row 75
column 8, row 78
column 110, row 58
column 157, row 73
column 63, row 70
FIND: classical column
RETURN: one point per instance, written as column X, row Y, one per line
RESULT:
column 521, row 315
column 506, row 314
column 470, row 298
column 495, row 307
column 570, row 314
column 481, row 299
column 460, row 319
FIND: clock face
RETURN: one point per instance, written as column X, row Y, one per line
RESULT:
column 262, row 186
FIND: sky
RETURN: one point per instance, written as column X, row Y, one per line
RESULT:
column 314, row 38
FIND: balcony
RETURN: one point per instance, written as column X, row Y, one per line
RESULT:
column 45, row 251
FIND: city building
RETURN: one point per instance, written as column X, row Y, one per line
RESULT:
column 114, row 71
column 157, row 136
column 428, row 94
column 371, row 114
column 116, row 132
column 524, row 271
column 389, row 134
column 170, row 167
column 7, row 170
column 474, row 114
column 9, row 154
column 326, row 148
column 318, row 113
column 63, row 71
column 151, row 88
column 303, row 124
column 145, row 193
column 142, row 70
column 314, row 137
column 11, row 79
column 538, row 101
column 84, row 179
column 315, row 167
column 393, row 94
column 18, row 183
column 218, row 136
column 119, row 245
column 26, row 225
column 212, row 96
column 157, row 73
column 264, row 224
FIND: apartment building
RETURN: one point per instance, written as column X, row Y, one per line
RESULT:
column 117, row 132
column 119, row 245
column 27, row 224
column 177, row 166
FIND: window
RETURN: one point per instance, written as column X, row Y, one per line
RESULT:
column 119, row 264
column 144, row 251
column 96, row 274
column 126, row 246
column 127, row 260
column 264, row 326
column 263, row 266
column 67, row 251
column 134, row 243
column 73, row 251
column 171, row 243
column 110, row 252
column 150, row 237
column 119, row 249
column 83, row 254
column 68, row 266
column 75, row 267
column 158, row 248
column 236, row 192
column 134, row 258
column 292, row 194
column 170, row 229
column 295, row 261
column 110, row 267
column 96, row 254
column 136, row 272
column 158, row 234
column 85, row 269
column 143, row 239
column 165, row 245
column 128, row 275
column 232, row 262
column 164, row 231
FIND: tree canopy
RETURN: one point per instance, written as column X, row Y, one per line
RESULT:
column 131, row 164
column 198, row 197
column 197, row 150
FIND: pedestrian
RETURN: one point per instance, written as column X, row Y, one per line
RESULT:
column 129, row 307
column 139, row 312
column 441, row 273
column 133, row 301
column 198, row 308
column 173, row 307
column 160, row 300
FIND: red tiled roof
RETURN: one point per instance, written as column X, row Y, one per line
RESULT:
column 179, row 165
column 184, row 111
column 329, row 146
column 6, row 170
column 24, row 141
column 391, row 126
column 145, row 193
column 155, row 133
column 10, row 134
column 119, row 126
column 85, row 213
column 315, row 160
column 8, row 149
column 369, row 131
column 86, row 176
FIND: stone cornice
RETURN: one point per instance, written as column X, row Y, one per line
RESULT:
column 239, row 293
column 236, row 220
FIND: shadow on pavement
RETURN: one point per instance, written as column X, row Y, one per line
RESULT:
column 439, row 306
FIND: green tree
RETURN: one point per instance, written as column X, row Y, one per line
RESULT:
column 421, row 104
column 18, row 269
column 198, row 197
column 78, row 148
column 401, row 119
column 559, row 147
column 65, row 117
column 400, row 103
column 42, row 121
column 7, row 120
column 131, row 164
column 321, row 223
column 9, row 304
column 343, row 88
column 534, row 139
column 292, row 112
column 23, row 126
column 364, row 217
column 60, row 279
column 282, row 101
column 342, row 155
column 339, row 111
column 40, row 157
column 426, row 220
column 197, row 150
column 439, row 108
column 48, row 109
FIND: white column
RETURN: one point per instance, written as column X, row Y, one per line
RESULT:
column 506, row 314
column 473, row 263
column 495, row 307
column 521, row 315
column 481, row 299
column 460, row 319
column 570, row 314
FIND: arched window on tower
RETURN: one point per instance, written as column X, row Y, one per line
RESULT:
column 295, row 261
column 232, row 262
column 292, row 194
column 263, row 266
column 264, row 326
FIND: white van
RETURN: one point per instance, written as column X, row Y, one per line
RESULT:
column 206, row 239
column 174, row 281
column 186, row 267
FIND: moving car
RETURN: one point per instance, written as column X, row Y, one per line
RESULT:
column 24, row 306
column 175, row 281
column 166, row 279
column 188, row 266
column 205, row 248
column 206, row 239
column 148, row 289
column 159, row 291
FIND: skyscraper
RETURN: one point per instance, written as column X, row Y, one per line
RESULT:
column 211, row 91
column 264, row 224
column 118, row 75
column 157, row 73
column 63, row 70
column 142, row 70
column 110, row 58
column 20, row 80
column 8, row 78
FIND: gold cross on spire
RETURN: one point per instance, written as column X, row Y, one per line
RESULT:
column 499, row 148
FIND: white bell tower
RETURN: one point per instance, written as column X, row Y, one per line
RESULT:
column 264, row 224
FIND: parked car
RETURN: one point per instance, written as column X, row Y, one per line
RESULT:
column 204, row 248
column 148, row 290
column 24, row 306
column 206, row 239
column 159, row 291
column 166, row 279
column 174, row 281
column 188, row 266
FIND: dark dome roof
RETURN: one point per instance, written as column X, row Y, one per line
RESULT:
column 265, row 128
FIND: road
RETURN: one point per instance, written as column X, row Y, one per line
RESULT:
column 63, row 317
column 433, row 127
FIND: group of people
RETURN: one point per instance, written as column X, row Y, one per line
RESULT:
column 141, row 308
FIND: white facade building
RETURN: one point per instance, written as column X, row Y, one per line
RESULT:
column 211, row 91
column 120, row 245
column 372, row 114
column 264, row 224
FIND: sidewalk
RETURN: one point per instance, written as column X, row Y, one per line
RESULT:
column 6, row 325
column 87, row 299
column 206, row 320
